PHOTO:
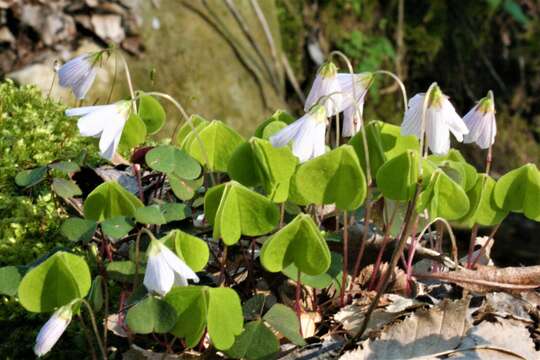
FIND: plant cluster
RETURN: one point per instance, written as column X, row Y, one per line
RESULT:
column 195, row 249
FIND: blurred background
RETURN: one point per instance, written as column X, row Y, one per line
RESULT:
column 239, row 61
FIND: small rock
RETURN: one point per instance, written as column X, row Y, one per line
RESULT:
column 6, row 36
column 108, row 27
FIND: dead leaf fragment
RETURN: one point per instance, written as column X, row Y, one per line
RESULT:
column 426, row 332
column 507, row 334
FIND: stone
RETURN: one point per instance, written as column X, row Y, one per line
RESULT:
column 198, row 66
column 108, row 27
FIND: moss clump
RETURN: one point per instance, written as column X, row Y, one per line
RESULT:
column 33, row 131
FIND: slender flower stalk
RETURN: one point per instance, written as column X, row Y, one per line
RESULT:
column 164, row 269
column 326, row 84
column 306, row 135
column 79, row 73
column 440, row 119
column 53, row 329
column 104, row 121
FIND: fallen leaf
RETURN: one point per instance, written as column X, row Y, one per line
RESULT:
column 308, row 321
column 426, row 332
column 352, row 316
column 505, row 334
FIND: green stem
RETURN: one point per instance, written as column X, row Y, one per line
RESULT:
column 130, row 84
column 94, row 326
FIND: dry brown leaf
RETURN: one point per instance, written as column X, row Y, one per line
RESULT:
column 352, row 316
column 308, row 321
column 489, row 278
column 426, row 332
column 505, row 305
column 114, row 325
column 507, row 334
column 398, row 284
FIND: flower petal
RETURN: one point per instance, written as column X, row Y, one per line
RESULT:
column 180, row 268
column 159, row 277
column 73, row 70
column 110, row 137
column 81, row 87
column 50, row 333
column 285, row 135
column 412, row 120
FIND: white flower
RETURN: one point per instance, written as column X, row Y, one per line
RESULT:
column 481, row 123
column 79, row 74
column 164, row 269
column 104, row 121
column 326, row 84
column 441, row 119
column 306, row 134
column 353, row 110
column 52, row 330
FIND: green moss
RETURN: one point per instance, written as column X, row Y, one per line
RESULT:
column 34, row 131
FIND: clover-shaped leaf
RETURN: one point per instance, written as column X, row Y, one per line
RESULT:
column 483, row 209
column 335, row 177
column 191, row 306
column 173, row 161
column 269, row 126
column 397, row 178
column 191, row 249
column 300, row 243
column 257, row 341
column 257, row 161
column 108, row 200
column 198, row 307
column 151, row 315
column 134, row 133
column 151, row 113
column 519, row 191
column 57, row 281
column 376, row 153
column 234, row 210
column 443, row 197
column 213, row 145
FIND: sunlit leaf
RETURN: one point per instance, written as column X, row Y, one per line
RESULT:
column 57, row 281
column 108, row 200
column 151, row 315
column 299, row 242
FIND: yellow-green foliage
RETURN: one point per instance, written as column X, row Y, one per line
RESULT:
column 33, row 131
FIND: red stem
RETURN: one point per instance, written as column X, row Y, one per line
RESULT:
column 298, row 294
column 345, row 259
column 472, row 242
column 378, row 261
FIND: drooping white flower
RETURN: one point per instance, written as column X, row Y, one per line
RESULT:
column 105, row 122
column 326, row 84
column 79, row 73
column 353, row 104
column 306, row 135
column 52, row 330
column 441, row 119
column 480, row 121
column 164, row 269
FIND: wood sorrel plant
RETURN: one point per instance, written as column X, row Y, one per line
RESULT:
column 192, row 234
